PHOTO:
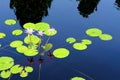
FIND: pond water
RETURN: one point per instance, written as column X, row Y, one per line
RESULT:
column 100, row 61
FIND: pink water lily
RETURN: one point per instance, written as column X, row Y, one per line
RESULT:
column 29, row 31
column 40, row 33
column 51, row 30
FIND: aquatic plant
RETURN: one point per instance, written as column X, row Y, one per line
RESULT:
column 77, row 78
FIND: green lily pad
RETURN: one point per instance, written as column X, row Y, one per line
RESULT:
column 94, row 32
column 6, row 62
column 17, row 32
column 16, row 69
column 2, row 35
column 86, row 41
column 31, row 52
column 29, row 25
column 32, row 39
column 16, row 43
column 70, row 40
column 42, row 26
column 105, row 37
column 10, row 22
column 21, row 49
column 47, row 47
column 79, row 46
column 23, row 74
column 77, row 78
column 61, row 53
column 50, row 32
column 5, row 74
column 28, row 69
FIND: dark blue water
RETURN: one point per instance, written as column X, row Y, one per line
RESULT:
column 101, row 60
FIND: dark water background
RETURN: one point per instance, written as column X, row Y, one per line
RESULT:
column 101, row 60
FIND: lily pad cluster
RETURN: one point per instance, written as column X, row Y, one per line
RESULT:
column 7, row 68
column 95, row 32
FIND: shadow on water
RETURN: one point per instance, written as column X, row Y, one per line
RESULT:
column 117, row 3
column 30, row 10
column 86, row 7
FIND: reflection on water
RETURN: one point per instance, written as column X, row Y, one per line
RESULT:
column 30, row 10
column 86, row 7
column 117, row 3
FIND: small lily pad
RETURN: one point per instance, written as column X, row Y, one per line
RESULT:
column 47, row 47
column 17, row 32
column 31, row 52
column 79, row 46
column 28, row 69
column 5, row 74
column 77, row 78
column 93, row 32
column 2, row 35
column 29, row 25
column 70, row 40
column 23, row 74
column 16, row 43
column 50, row 33
column 105, row 37
column 10, row 22
column 21, row 49
column 6, row 62
column 61, row 53
column 16, row 69
column 86, row 41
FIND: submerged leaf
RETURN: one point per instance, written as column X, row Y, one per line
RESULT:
column 2, row 35
column 94, row 32
column 47, row 47
column 16, row 69
column 16, row 43
column 6, row 62
column 86, row 41
column 17, row 32
column 105, row 37
column 28, row 69
column 5, row 74
column 70, row 40
column 77, row 78
column 79, row 46
column 10, row 22
column 61, row 53
column 29, row 25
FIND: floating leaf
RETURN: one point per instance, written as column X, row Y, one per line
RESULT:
column 105, row 37
column 79, row 46
column 6, row 62
column 16, row 69
column 61, row 53
column 77, row 78
column 10, row 22
column 70, row 40
column 2, row 35
column 94, row 32
column 32, row 39
column 47, row 47
column 5, row 74
column 29, row 25
column 86, row 41
column 31, row 52
column 16, row 43
column 28, row 69
column 50, row 33
column 17, row 32
column 42, row 26
column 23, row 74
column 21, row 49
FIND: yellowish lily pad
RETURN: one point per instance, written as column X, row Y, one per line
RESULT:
column 29, row 25
column 16, row 43
column 70, row 40
column 86, row 41
column 5, row 74
column 2, row 35
column 79, row 46
column 10, row 22
column 17, row 32
column 77, row 78
column 28, row 69
column 105, row 37
column 16, row 69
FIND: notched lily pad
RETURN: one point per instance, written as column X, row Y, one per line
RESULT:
column 77, row 78
column 10, row 22
column 16, row 69
column 70, row 40
column 28, row 69
column 16, row 43
column 79, row 46
column 23, row 74
column 5, row 74
column 2, row 35
column 86, row 41
column 17, row 32
column 105, row 37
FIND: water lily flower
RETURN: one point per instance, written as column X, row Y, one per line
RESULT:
column 51, row 30
column 40, row 33
column 29, row 31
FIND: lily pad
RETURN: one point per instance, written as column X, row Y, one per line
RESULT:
column 86, row 41
column 16, row 43
column 70, row 40
column 23, row 74
column 28, row 69
column 5, row 74
column 50, row 33
column 79, row 46
column 77, row 78
column 61, row 53
column 17, row 32
column 31, row 52
column 21, row 49
column 29, row 25
column 105, row 37
column 42, row 26
column 2, row 35
column 10, row 22
column 16, row 69
column 94, row 32
column 47, row 47
column 6, row 62
column 32, row 39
